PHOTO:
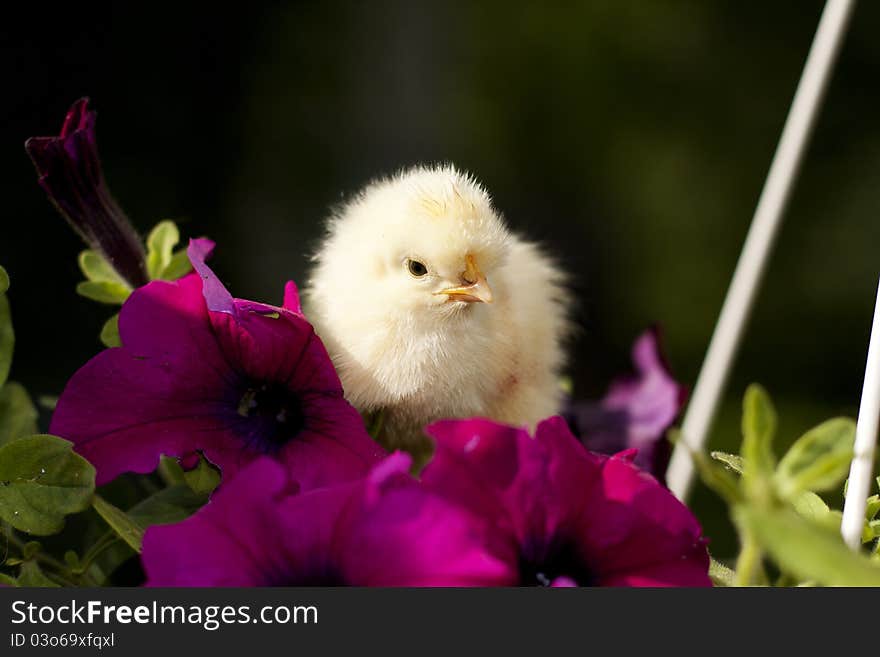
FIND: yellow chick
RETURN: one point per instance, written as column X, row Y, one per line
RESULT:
column 431, row 308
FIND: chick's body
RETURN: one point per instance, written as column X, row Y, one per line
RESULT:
column 431, row 308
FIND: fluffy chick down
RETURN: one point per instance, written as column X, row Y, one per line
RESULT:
column 405, row 347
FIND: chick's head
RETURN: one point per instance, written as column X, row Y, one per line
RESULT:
column 421, row 247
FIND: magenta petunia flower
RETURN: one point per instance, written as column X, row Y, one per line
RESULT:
column 564, row 516
column 199, row 370
column 636, row 411
column 384, row 530
column 70, row 173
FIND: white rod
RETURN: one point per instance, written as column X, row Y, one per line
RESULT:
column 866, row 439
column 765, row 224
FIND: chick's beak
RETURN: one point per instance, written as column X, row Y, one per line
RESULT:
column 474, row 285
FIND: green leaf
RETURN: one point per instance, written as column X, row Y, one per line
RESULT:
column 873, row 507
column 818, row 460
column 203, row 478
column 720, row 574
column 812, row 507
column 120, row 522
column 4, row 281
column 732, row 461
column 49, row 402
column 104, row 291
column 18, row 415
column 807, row 550
column 6, row 580
column 160, row 244
column 30, row 549
column 96, row 268
column 71, row 558
column 758, row 428
column 716, row 478
column 32, row 575
column 42, row 480
column 110, row 332
column 169, row 505
column 374, row 422
column 169, row 470
column 7, row 339
column 179, row 267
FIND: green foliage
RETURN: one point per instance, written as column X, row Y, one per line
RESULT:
column 110, row 332
column 776, row 508
column 720, row 574
column 18, row 415
column 806, row 550
column 41, row 481
column 104, row 291
column 163, row 263
column 812, row 507
column 104, row 285
column 32, row 575
column 170, row 471
column 732, row 461
column 204, row 478
column 168, row 505
column 819, row 459
column 179, row 266
column 126, row 528
column 173, row 504
column 758, row 428
column 95, row 268
column 7, row 336
column 718, row 479
column 4, row 281
column 374, row 422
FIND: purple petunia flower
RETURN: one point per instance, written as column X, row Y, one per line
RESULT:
column 199, row 370
column 636, row 411
column 70, row 173
column 384, row 530
column 564, row 516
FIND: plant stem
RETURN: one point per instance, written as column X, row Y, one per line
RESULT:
column 39, row 556
column 58, row 572
column 748, row 563
column 100, row 546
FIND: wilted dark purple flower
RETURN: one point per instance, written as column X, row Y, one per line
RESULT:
column 384, row 530
column 635, row 412
column 234, row 379
column 70, row 173
column 564, row 516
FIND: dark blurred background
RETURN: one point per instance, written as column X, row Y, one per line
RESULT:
column 630, row 136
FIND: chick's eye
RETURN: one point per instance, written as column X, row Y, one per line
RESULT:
column 416, row 268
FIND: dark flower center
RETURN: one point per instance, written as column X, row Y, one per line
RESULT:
column 276, row 413
column 542, row 567
column 320, row 578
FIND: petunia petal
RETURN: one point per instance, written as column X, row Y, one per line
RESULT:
column 291, row 298
column 231, row 378
column 217, row 297
column 563, row 514
column 69, row 171
column 632, row 506
column 229, row 541
column 384, row 530
column 636, row 411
